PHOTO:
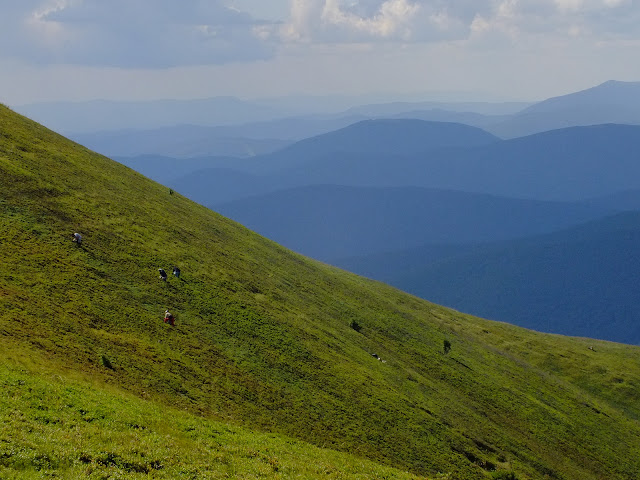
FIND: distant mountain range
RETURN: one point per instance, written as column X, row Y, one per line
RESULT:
column 104, row 116
column 183, row 141
column 99, row 115
column 245, row 140
column 582, row 281
column 227, row 126
column 571, row 164
column 329, row 222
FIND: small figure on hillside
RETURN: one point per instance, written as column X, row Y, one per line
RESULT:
column 176, row 272
column 163, row 274
column 169, row 318
column 377, row 357
column 77, row 238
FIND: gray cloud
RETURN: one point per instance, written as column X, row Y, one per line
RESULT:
column 131, row 33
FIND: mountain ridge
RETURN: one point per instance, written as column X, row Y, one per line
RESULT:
column 610, row 102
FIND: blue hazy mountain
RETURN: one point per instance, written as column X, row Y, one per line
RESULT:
column 390, row 265
column 328, row 222
column 393, row 136
column 99, row 115
column 568, row 164
column 393, row 109
column 582, row 281
column 365, row 140
column 213, row 186
column 610, row 102
column 244, row 140
column 472, row 119
column 361, row 153
column 182, row 141
column 572, row 164
column 165, row 169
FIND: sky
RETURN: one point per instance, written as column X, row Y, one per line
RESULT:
column 486, row 50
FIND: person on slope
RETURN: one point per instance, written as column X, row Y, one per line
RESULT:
column 176, row 272
column 163, row 274
column 77, row 238
column 169, row 318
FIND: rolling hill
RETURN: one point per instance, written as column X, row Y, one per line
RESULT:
column 265, row 340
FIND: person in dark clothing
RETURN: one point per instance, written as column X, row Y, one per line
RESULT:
column 163, row 275
column 77, row 238
column 169, row 318
column 176, row 272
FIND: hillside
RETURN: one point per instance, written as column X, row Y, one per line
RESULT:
column 265, row 339
column 117, row 435
column 581, row 281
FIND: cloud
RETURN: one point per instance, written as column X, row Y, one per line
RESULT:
column 391, row 19
column 174, row 33
column 337, row 21
column 132, row 33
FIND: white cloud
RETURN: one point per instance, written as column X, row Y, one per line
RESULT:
column 440, row 20
column 169, row 33
column 132, row 33
column 392, row 19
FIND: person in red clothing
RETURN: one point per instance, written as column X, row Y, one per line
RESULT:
column 169, row 318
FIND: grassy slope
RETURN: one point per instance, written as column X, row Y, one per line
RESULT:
column 263, row 335
column 54, row 426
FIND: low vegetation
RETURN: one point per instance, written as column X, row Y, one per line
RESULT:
column 52, row 426
column 264, row 340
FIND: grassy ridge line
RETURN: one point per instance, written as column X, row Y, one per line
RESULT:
column 263, row 336
column 56, row 427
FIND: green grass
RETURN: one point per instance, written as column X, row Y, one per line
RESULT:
column 264, row 341
column 56, row 427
